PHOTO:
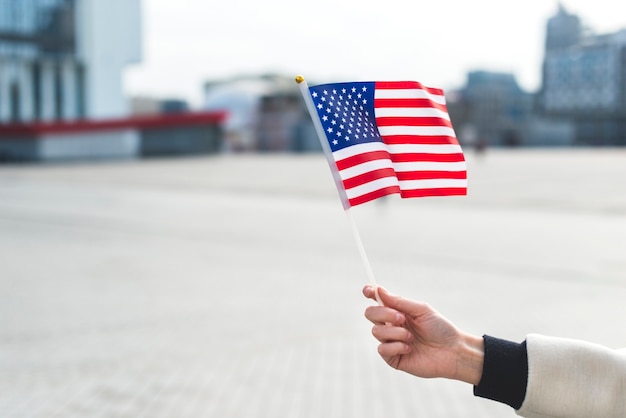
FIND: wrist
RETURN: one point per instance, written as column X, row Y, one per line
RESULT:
column 470, row 359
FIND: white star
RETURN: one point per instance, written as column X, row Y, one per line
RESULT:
column 325, row 93
column 314, row 94
column 319, row 106
column 329, row 130
column 364, row 88
column 324, row 118
column 335, row 142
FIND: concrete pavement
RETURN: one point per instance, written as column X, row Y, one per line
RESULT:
column 229, row 286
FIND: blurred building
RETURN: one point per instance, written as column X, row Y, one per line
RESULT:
column 61, row 90
column 265, row 113
column 63, row 59
column 584, row 80
column 490, row 109
column 155, row 106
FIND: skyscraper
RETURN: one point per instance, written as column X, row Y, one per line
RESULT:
column 584, row 80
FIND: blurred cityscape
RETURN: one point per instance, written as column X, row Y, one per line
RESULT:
column 61, row 93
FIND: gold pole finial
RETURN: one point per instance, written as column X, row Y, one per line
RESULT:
column 299, row 79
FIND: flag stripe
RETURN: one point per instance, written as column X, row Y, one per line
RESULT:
column 421, row 140
column 416, row 130
column 428, row 166
column 353, row 160
column 373, row 195
column 367, row 176
column 430, row 175
column 415, row 112
column 445, row 191
column 412, row 121
column 412, row 157
column 394, row 85
column 366, row 167
column 424, row 149
column 432, row 184
column 404, row 103
column 378, row 184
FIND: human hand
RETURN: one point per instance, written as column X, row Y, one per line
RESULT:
column 417, row 339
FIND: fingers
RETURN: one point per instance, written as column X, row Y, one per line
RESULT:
column 384, row 315
column 389, row 334
column 392, row 349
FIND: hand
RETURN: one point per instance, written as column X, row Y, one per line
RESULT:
column 418, row 340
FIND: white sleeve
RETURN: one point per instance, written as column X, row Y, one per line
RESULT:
column 571, row 378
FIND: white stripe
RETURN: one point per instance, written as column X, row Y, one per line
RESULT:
column 429, row 166
column 367, row 167
column 372, row 186
column 416, row 130
column 424, row 149
column 359, row 149
column 411, row 112
column 432, row 184
column 408, row 94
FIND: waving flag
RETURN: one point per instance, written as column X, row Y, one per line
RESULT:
column 388, row 137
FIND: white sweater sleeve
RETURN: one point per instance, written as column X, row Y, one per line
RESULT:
column 571, row 379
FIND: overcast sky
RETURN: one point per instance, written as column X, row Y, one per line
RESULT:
column 187, row 42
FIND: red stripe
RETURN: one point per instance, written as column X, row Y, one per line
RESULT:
column 418, row 103
column 430, row 158
column 407, row 85
column 431, row 175
column 364, row 178
column 362, row 158
column 420, row 140
column 413, row 121
column 374, row 195
column 443, row 191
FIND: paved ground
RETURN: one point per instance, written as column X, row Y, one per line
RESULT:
column 230, row 286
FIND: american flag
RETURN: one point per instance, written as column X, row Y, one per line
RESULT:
column 389, row 137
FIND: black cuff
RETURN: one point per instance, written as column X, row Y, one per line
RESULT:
column 505, row 372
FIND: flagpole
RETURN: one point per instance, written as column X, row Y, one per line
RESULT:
column 304, row 89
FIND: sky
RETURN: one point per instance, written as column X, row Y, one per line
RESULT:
column 189, row 42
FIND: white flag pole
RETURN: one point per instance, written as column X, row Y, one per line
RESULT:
column 304, row 89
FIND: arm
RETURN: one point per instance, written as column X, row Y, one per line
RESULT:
column 542, row 377
column 418, row 340
column 571, row 378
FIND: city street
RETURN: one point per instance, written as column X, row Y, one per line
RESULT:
column 230, row 286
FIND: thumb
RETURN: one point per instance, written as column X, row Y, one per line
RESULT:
column 399, row 303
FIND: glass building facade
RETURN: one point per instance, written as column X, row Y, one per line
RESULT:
column 41, row 77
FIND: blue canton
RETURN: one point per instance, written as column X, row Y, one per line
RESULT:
column 346, row 111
